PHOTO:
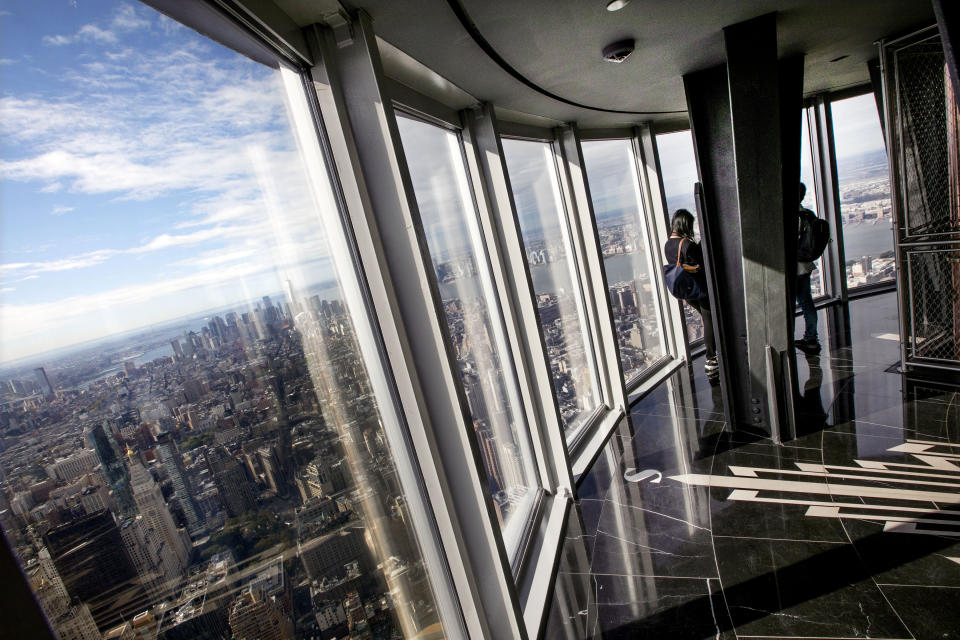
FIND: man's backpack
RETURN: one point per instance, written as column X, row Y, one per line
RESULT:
column 814, row 236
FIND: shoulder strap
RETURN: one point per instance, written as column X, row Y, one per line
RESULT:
column 679, row 250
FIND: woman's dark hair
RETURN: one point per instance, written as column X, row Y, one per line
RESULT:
column 682, row 224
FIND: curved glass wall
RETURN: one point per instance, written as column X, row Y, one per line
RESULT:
column 194, row 440
column 474, row 321
column 553, row 270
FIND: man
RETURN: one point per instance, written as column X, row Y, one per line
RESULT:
column 809, row 344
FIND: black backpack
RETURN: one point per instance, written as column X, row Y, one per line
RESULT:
column 814, row 236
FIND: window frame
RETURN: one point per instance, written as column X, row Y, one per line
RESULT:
column 354, row 92
column 576, row 253
column 655, row 234
column 824, row 105
column 426, row 113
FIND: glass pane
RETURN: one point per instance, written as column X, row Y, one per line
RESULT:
column 192, row 442
column 553, row 270
column 678, row 171
column 476, row 328
column 627, row 261
column 810, row 199
column 864, row 181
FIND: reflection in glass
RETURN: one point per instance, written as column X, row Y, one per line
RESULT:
column 810, row 199
column 192, row 445
column 864, row 184
column 477, row 334
column 615, row 190
column 553, row 270
column 678, row 171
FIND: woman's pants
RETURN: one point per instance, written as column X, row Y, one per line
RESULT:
column 702, row 305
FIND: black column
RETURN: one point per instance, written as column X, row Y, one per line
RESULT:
column 748, row 155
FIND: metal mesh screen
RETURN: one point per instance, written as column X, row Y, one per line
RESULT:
column 934, row 285
column 921, row 99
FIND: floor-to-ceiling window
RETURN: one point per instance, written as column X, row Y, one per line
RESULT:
column 629, row 261
column 552, row 264
column 195, row 415
column 864, row 187
column 473, row 317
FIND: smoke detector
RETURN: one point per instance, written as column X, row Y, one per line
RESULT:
column 618, row 51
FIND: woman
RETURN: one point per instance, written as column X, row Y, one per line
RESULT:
column 690, row 254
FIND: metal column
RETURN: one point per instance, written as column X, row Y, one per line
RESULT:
column 747, row 149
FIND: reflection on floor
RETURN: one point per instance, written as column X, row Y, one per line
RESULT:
column 852, row 530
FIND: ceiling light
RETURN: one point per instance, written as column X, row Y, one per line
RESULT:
column 616, row 5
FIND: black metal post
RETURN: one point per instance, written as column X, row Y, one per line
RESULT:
column 747, row 141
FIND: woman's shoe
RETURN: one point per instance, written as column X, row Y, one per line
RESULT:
column 711, row 367
column 809, row 347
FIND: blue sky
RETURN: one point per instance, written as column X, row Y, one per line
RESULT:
column 145, row 173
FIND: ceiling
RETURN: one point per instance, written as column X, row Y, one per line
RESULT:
column 556, row 44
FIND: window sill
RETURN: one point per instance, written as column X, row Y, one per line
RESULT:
column 537, row 583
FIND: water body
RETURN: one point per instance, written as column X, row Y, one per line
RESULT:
column 867, row 239
column 157, row 352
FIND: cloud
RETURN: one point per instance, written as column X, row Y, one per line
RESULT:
column 59, row 210
column 168, row 241
column 57, row 41
column 7, row 289
column 80, row 261
column 4, row 62
column 127, row 19
column 217, row 258
column 86, row 33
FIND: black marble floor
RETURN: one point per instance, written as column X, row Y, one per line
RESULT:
column 685, row 529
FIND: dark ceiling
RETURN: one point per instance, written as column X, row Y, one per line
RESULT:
column 557, row 45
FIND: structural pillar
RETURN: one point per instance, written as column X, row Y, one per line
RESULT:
column 746, row 129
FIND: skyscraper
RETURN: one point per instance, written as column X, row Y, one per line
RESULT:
column 149, row 500
column 169, row 455
column 256, row 616
column 232, row 482
column 43, row 382
column 69, row 621
column 114, row 469
column 89, row 555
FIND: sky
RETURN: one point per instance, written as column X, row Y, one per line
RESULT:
column 146, row 173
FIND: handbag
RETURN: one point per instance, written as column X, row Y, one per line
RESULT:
column 682, row 281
